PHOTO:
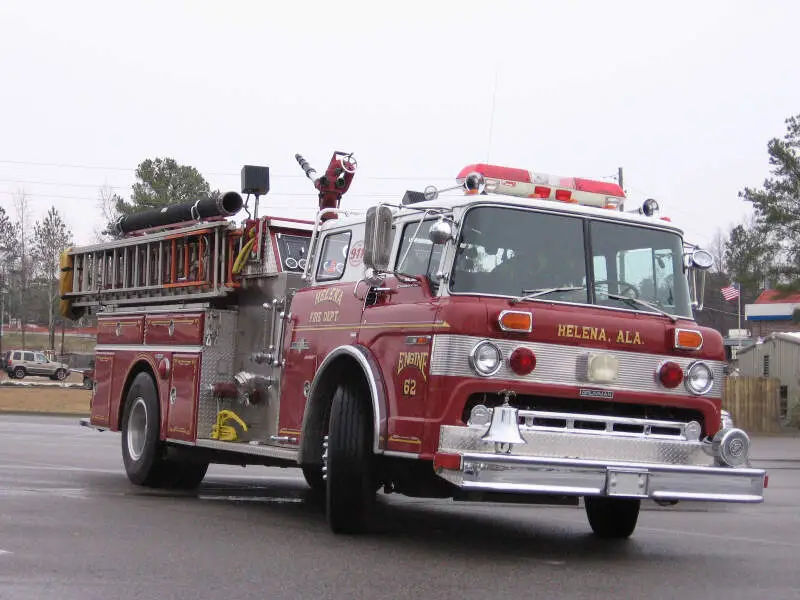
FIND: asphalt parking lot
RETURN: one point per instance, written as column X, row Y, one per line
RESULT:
column 71, row 526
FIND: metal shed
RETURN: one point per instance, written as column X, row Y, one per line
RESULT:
column 777, row 355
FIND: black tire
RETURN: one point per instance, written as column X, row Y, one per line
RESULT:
column 87, row 383
column 142, row 450
column 350, row 474
column 612, row 518
column 143, row 453
column 61, row 374
column 314, row 478
column 19, row 373
column 182, row 475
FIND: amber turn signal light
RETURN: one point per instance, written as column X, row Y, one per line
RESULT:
column 516, row 321
column 688, row 339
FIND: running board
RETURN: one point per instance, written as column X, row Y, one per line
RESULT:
column 289, row 454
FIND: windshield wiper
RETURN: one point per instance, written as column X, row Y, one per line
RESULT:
column 531, row 294
column 637, row 301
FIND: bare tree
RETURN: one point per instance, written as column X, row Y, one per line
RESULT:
column 51, row 236
column 107, row 202
column 717, row 250
column 21, row 274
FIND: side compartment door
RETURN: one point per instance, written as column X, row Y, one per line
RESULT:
column 101, row 396
column 183, row 393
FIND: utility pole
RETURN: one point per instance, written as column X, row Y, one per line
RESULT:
column 619, row 177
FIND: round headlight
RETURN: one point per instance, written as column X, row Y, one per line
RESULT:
column 485, row 358
column 699, row 378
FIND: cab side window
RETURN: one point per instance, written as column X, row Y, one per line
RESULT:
column 333, row 257
column 418, row 255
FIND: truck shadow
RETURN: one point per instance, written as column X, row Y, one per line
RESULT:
column 549, row 534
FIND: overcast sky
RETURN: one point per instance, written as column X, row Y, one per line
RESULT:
column 683, row 95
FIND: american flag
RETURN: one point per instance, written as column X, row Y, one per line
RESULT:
column 730, row 292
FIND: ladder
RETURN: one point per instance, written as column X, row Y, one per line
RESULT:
column 178, row 265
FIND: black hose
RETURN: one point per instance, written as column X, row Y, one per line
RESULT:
column 225, row 206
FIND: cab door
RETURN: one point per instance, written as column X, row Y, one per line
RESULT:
column 324, row 316
column 398, row 322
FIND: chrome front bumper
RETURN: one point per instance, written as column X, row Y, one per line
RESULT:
column 593, row 466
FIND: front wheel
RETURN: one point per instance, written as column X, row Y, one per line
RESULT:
column 61, row 374
column 87, row 383
column 612, row 518
column 350, row 464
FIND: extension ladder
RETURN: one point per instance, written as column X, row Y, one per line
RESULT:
column 185, row 264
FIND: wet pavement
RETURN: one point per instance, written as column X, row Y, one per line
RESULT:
column 71, row 526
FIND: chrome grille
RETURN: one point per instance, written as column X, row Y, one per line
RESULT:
column 539, row 420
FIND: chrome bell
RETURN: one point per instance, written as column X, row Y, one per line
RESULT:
column 504, row 428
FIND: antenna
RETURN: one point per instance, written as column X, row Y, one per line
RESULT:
column 491, row 116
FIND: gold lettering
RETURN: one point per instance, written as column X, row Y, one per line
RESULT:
column 585, row 333
column 562, row 330
column 334, row 295
column 413, row 359
column 620, row 337
column 602, row 337
column 637, row 339
column 594, row 333
column 570, row 330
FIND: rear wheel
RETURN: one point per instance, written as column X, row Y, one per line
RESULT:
column 143, row 453
column 19, row 373
column 350, row 468
column 141, row 448
column 612, row 518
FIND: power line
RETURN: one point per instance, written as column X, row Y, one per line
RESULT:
column 225, row 173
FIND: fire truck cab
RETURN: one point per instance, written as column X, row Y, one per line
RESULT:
column 524, row 340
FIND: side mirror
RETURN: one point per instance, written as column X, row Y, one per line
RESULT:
column 378, row 237
column 441, row 232
column 701, row 259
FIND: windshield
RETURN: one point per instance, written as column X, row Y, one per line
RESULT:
column 523, row 253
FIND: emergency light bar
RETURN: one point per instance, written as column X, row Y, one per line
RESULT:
column 527, row 184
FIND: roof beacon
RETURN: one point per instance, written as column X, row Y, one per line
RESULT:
column 480, row 177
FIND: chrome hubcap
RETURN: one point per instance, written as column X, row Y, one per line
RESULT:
column 325, row 458
column 137, row 428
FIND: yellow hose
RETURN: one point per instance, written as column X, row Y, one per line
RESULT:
column 244, row 253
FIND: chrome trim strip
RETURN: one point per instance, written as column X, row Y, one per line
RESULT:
column 245, row 448
column 143, row 348
column 507, row 473
column 558, row 364
column 372, row 372
column 398, row 454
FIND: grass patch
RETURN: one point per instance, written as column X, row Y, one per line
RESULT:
column 12, row 340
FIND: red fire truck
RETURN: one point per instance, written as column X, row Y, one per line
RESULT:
column 525, row 338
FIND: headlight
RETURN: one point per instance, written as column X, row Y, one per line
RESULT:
column 485, row 358
column 699, row 378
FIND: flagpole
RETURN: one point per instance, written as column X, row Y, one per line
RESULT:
column 739, row 298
